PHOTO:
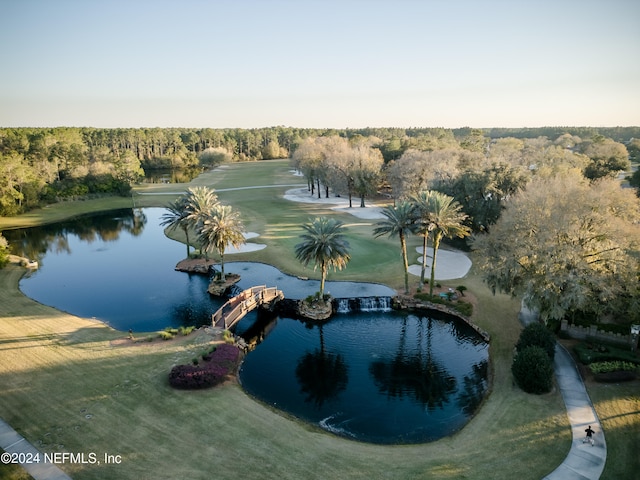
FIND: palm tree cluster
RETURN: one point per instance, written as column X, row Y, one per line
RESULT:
column 217, row 226
column 429, row 214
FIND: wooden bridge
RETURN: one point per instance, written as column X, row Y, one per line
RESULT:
column 237, row 307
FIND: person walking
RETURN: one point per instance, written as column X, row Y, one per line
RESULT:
column 589, row 436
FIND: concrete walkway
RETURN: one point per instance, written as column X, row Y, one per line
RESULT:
column 583, row 462
column 12, row 442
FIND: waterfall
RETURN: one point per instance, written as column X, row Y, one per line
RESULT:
column 363, row 304
column 342, row 305
column 233, row 290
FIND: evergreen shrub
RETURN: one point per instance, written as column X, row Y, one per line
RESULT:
column 537, row 334
column 533, row 370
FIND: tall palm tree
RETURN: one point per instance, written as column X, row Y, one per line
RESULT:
column 200, row 204
column 424, row 224
column 324, row 245
column 400, row 221
column 176, row 217
column 448, row 219
column 221, row 227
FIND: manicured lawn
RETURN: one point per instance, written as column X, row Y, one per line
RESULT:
column 66, row 387
column 618, row 407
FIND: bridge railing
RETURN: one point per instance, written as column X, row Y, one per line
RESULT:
column 238, row 306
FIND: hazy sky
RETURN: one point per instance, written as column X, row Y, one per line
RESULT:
column 304, row 63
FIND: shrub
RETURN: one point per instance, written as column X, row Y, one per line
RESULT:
column 164, row 335
column 460, row 306
column 614, row 328
column 186, row 330
column 616, row 365
column 532, row 370
column 223, row 361
column 615, row 377
column 536, row 334
column 596, row 352
column 464, row 308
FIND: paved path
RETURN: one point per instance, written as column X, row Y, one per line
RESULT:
column 12, row 442
column 583, row 462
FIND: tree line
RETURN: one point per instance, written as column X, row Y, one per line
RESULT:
column 44, row 165
column 478, row 172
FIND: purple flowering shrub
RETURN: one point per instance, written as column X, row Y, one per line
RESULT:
column 209, row 373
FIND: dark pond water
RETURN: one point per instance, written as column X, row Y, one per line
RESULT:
column 171, row 175
column 374, row 377
column 119, row 268
column 380, row 377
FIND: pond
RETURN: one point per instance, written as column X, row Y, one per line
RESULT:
column 379, row 377
column 118, row 267
column 171, row 175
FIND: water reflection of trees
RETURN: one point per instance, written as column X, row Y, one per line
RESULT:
column 34, row 242
column 415, row 372
column 474, row 388
column 322, row 375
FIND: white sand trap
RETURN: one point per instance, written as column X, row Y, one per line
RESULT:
column 367, row 213
column 338, row 204
column 450, row 264
column 246, row 247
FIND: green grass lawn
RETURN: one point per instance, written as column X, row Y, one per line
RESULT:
column 67, row 387
column 618, row 407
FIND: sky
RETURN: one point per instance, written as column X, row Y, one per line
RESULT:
column 319, row 63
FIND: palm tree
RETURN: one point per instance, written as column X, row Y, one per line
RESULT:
column 425, row 225
column 200, row 204
column 400, row 221
column 220, row 228
column 176, row 217
column 323, row 245
column 448, row 219
column 190, row 210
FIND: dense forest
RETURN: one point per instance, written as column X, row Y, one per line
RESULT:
column 44, row 165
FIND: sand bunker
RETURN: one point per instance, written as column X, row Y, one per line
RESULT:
column 246, row 247
column 338, row 204
column 449, row 264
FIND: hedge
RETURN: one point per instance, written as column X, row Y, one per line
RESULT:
column 596, row 352
column 212, row 371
